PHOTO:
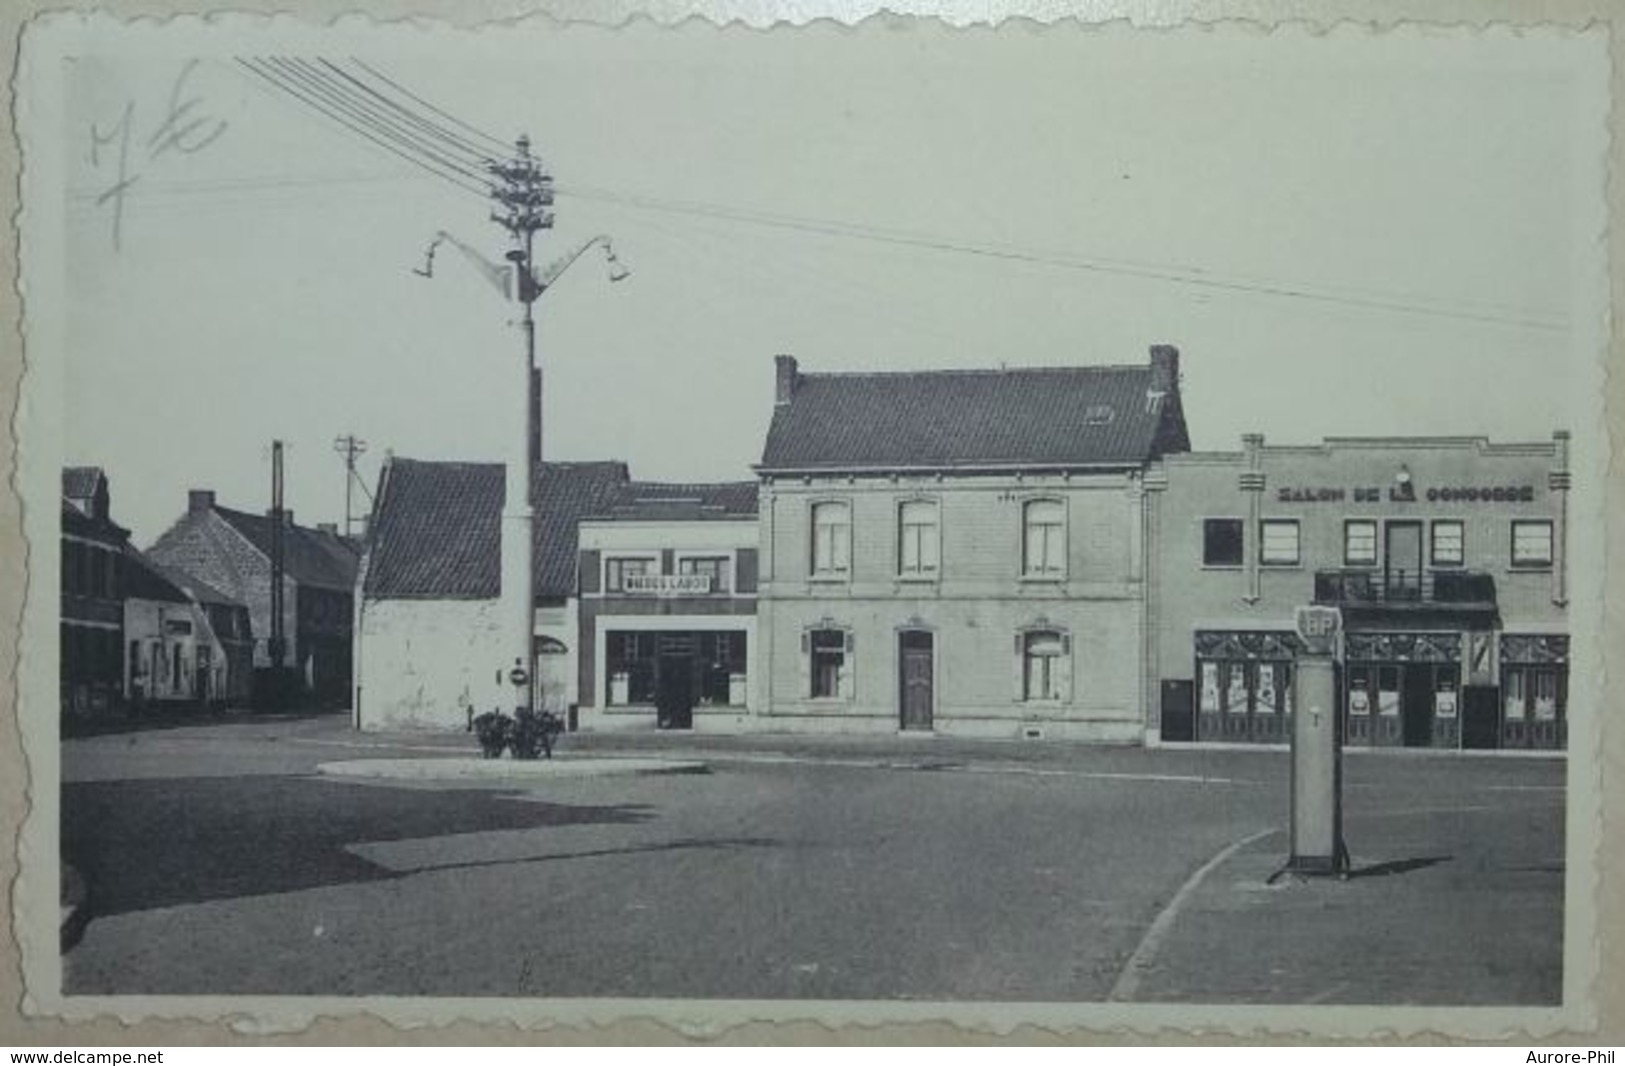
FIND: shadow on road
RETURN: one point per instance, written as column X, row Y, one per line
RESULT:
column 142, row 844
column 1396, row 866
column 719, row 843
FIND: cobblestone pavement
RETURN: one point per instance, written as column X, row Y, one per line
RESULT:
column 889, row 868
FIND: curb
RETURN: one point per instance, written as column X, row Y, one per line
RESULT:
column 473, row 768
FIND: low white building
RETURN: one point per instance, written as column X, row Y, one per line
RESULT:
column 429, row 624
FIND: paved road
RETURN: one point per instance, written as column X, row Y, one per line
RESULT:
column 219, row 863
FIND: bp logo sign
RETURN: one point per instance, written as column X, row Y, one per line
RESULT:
column 1318, row 627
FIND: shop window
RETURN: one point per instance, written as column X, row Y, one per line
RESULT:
column 1046, row 666
column 831, row 539
column 1278, row 542
column 830, row 672
column 1043, row 524
column 918, row 539
column 1533, row 693
column 616, row 571
column 1448, row 543
column 1359, row 542
column 722, row 668
column 1532, row 543
column 713, row 566
column 1222, row 541
column 631, row 668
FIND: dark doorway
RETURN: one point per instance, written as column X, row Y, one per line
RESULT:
column 1402, row 561
column 1416, row 704
column 1481, row 717
column 1178, row 711
column 674, row 695
column 916, row 669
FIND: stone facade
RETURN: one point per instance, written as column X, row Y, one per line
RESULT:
column 971, row 617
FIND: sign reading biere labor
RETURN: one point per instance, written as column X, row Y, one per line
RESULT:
column 1317, row 627
column 667, row 584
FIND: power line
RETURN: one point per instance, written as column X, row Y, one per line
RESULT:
column 497, row 144
column 270, row 77
column 902, row 238
column 427, row 125
column 315, row 83
column 391, row 122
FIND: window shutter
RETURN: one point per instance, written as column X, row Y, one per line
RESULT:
column 1063, row 680
column 804, row 672
column 588, row 579
column 745, row 570
column 1018, row 674
column 849, row 668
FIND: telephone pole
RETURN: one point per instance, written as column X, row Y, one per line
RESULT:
column 352, row 448
column 276, row 645
column 523, row 191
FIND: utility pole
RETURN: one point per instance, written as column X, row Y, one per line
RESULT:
column 278, row 639
column 523, row 191
column 352, row 448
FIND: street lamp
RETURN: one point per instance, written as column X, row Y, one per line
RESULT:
column 519, row 509
column 523, row 192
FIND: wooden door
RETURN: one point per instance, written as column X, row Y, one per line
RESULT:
column 917, row 669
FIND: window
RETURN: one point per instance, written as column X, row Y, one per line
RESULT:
column 1532, row 543
column 1044, row 665
column 1043, row 538
column 827, row 650
column 713, row 566
column 631, row 666
column 1448, row 544
column 1278, row 542
column 722, row 657
column 1221, row 541
column 616, row 571
column 917, row 541
column 1359, row 542
column 831, row 539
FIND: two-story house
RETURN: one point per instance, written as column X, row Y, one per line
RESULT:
column 234, row 551
column 668, row 605
column 91, row 627
column 961, row 551
column 1446, row 556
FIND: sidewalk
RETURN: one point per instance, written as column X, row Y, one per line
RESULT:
column 1440, row 906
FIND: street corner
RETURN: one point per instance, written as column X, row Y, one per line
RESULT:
column 463, row 769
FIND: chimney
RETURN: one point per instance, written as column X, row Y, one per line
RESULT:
column 786, row 377
column 199, row 500
column 1164, row 368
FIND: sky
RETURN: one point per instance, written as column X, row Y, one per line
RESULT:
column 1346, row 235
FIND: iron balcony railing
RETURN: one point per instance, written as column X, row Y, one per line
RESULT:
column 1397, row 588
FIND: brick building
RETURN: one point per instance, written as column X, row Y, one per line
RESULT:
column 961, row 551
column 91, row 625
column 230, row 551
column 1446, row 555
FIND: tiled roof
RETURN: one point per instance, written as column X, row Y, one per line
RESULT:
column 79, row 482
column 1060, row 416
column 436, row 531
column 199, row 590
column 309, row 556
column 682, row 501
column 144, row 581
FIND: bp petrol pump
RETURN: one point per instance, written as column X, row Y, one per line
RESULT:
column 1317, row 750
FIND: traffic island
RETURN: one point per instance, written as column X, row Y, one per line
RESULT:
column 466, row 768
